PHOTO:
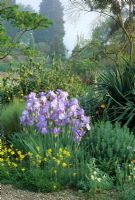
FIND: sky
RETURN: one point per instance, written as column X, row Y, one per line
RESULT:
column 77, row 25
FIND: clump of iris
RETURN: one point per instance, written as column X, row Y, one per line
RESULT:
column 50, row 111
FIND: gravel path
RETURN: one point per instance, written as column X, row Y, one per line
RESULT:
column 11, row 193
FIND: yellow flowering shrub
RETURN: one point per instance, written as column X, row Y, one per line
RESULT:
column 9, row 156
column 60, row 157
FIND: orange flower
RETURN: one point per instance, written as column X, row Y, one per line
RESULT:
column 133, row 161
column 102, row 106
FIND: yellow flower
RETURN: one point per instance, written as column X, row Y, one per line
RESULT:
column 12, row 153
column 64, row 165
column 9, row 150
column 19, row 152
column 1, row 159
column 66, row 153
column 49, row 151
column 22, row 157
column 1, row 153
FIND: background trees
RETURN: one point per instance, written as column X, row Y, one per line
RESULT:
column 24, row 21
column 122, row 13
column 53, row 37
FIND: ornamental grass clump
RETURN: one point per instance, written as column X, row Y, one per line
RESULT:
column 50, row 112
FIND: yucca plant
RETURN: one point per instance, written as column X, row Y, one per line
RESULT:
column 118, row 86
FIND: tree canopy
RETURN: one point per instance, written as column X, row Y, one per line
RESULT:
column 24, row 21
column 122, row 12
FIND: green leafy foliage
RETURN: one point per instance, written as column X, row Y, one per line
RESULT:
column 91, row 102
column 50, row 162
column 9, row 117
column 109, row 145
column 118, row 87
column 95, row 179
column 23, row 20
column 32, row 76
column 126, row 192
column 61, row 77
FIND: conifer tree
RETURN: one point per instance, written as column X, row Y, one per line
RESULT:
column 53, row 37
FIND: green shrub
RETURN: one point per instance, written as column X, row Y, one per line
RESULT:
column 22, row 80
column 94, row 179
column 59, row 155
column 9, row 117
column 109, row 145
column 61, row 77
column 37, row 180
column 33, row 76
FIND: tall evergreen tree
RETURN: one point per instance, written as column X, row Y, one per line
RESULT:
column 9, row 27
column 53, row 37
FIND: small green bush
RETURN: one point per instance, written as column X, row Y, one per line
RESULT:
column 109, row 145
column 61, row 77
column 42, row 162
column 94, row 179
column 9, row 117
column 33, row 76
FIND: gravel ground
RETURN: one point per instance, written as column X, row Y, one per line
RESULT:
column 11, row 193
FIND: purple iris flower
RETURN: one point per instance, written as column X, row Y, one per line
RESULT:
column 54, row 110
column 56, row 130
